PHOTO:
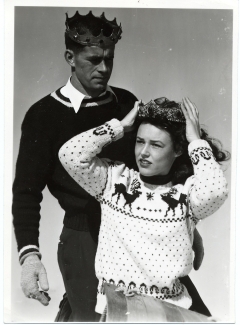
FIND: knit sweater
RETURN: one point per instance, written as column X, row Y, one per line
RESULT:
column 48, row 124
column 146, row 236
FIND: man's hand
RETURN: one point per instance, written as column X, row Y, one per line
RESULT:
column 198, row 250
column 33, row 272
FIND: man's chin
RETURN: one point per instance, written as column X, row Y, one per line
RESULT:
column 101, row 86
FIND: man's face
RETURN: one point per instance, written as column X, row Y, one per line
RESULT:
column 93, row 67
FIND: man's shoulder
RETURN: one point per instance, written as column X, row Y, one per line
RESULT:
column 46, row 104
column 45, row 109
column 123, row 94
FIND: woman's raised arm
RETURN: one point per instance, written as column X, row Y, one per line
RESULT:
column 78, row 156
column 209, row 188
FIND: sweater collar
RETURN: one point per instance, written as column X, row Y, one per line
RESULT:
column 157, row 179
column 76, row 97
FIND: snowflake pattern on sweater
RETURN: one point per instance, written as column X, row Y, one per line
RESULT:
column 146, row 236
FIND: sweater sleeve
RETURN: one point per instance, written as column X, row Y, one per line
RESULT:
column 209, row 188
column 33, row 169
column 78, row 156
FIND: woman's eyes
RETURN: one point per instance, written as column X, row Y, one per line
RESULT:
column 155, row 145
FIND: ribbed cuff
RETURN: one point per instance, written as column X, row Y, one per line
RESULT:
column 22, row 259
column 199, row 143
column 28, row 250
column 116, row 129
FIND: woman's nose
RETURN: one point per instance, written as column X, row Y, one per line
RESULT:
column 145, row 151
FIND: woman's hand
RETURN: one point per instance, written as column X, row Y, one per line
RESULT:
column 129, row 119
column 191, row 114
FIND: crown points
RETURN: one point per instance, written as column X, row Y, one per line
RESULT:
column 88, row 38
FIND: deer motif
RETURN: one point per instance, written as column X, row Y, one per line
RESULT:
column 172, row 202
column 129, row 198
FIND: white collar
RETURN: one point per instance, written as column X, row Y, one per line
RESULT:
column 75, row 96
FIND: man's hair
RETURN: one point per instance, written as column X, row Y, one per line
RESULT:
column 93, row 24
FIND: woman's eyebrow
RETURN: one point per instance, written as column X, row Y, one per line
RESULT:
column 151, row 141
column 157, row 141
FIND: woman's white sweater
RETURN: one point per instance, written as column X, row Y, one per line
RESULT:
column 146, row 236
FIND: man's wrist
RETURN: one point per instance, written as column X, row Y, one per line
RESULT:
column 23, row 258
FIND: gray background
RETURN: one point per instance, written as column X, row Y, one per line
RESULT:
column 163, row 52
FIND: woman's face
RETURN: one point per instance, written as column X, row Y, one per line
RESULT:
column 154, row 150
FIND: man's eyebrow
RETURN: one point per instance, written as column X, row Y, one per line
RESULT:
column 95, row 56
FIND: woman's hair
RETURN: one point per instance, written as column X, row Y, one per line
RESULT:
column 182, row 167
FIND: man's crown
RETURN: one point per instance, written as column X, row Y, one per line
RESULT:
column 86, row 37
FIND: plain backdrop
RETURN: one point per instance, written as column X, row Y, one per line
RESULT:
column 163, row 52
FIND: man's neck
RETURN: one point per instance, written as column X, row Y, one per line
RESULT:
column 76, row 84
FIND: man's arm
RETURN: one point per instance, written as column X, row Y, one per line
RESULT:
column 33, row 170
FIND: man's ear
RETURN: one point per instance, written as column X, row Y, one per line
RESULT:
column 70, row 57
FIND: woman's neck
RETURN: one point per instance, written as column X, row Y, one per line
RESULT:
column 157, row 180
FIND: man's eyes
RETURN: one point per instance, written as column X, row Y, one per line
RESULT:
column 95, row 61
column 98, row 60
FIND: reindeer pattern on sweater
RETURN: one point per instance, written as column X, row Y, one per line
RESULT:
column 145, row 238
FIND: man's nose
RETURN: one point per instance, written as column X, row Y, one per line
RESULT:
column 102, row 66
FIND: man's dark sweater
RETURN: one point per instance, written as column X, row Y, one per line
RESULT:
column 48, row 124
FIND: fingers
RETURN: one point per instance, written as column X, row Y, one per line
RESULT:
column 137, row 105
column 42, row 297
column 193, row 108
column 29, row 288
column 32, row 291
column 128, row 121
column 189, row 109
column 43, row 280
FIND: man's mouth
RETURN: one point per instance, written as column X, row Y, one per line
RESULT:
column 101, row 78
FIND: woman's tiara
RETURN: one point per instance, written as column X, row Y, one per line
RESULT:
column 162, row 109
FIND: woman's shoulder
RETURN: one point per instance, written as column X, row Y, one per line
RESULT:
column 186, row 187
column 120, row 168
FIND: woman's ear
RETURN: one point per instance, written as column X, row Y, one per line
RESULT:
column 70, row 57
column 177, row 154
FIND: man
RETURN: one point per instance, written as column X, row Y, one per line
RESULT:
column 86, row 101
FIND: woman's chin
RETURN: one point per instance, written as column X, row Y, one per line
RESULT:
column 145, row 172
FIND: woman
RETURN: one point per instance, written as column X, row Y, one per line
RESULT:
column 148, row 217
